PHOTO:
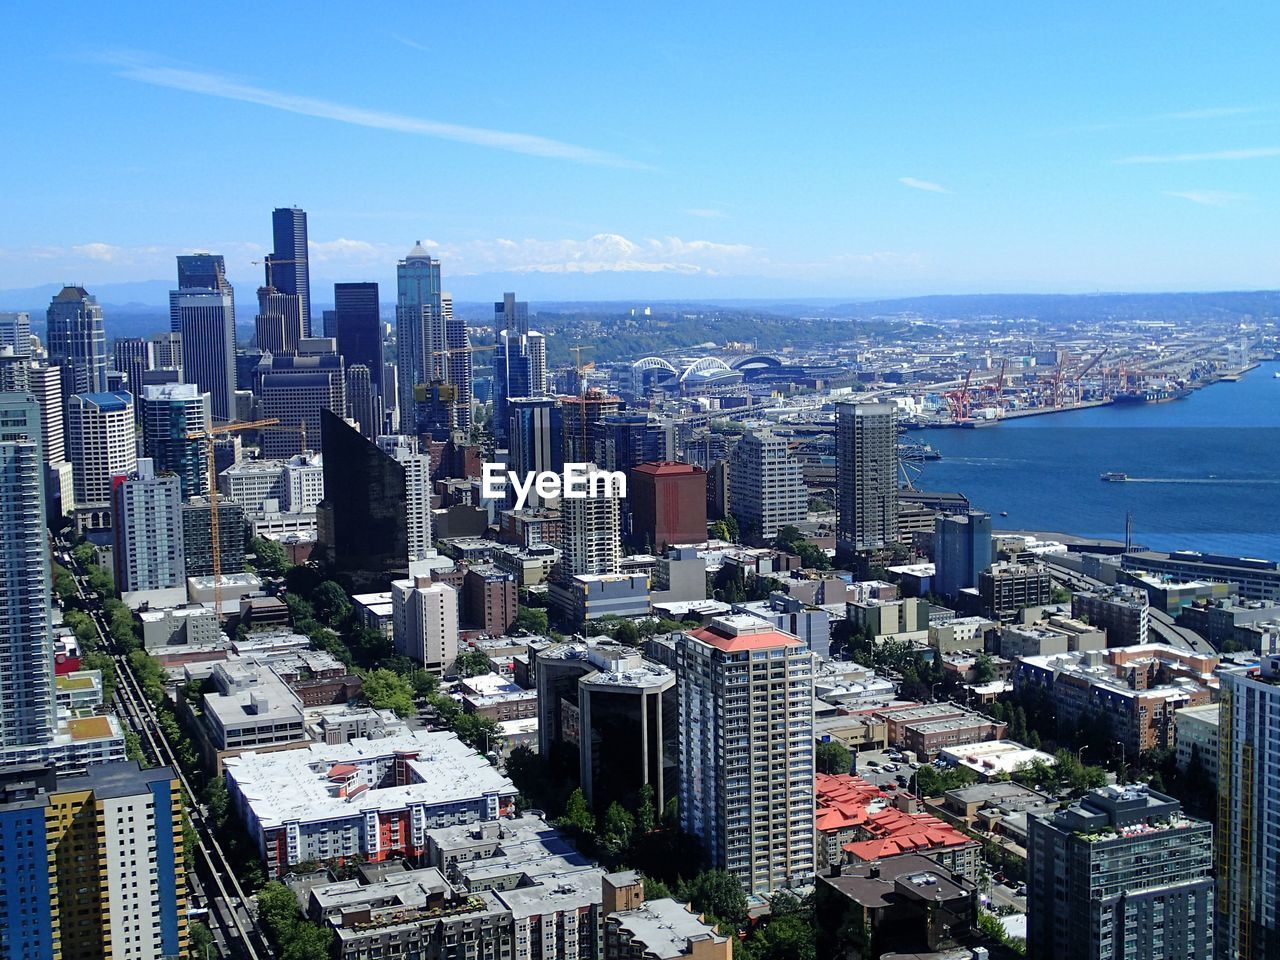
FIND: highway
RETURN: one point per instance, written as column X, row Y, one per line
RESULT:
column 233, row 924
column 1163, row 629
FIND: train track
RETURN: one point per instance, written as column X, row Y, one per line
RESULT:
column 141, row 715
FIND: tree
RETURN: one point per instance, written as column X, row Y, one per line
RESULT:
column 655, row 889
column 618, row 828
column 627, row 632
column 269, row 556
column 477, row 730
column 294, row 937
column 832, row 757
column 577, row 817
column 472, row 663
column 199, row 940
column 387, row 690
column 646, row 810
column 531, row 620
column 984, row 669
column 331, row 603
column 719, row 895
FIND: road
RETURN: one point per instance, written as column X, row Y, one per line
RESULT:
column 1163, row 629
column 234, row 927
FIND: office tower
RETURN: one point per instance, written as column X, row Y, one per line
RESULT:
column 1248, row 844
column 418, row 308
column 583, row 437
column 365, row 518
column 534, row 437
column 628, row 439
column 357, row 318
column 668, row 504
column 197, row 537
column 15, row 331
column 455, row 365
column 14, row 375
column 490, row 600
column 511, row 315
column 390, row 396
column 766, row 488
column 1121, row 873
column 169, row 413
column 866, row 475
column 962, row 551
column 519, row 370
column 363, row 401
column 27, row 706
column 133, row 357
column 101, row 443
column 203, row 311
column 278, row 326
column 114, row 836
column 417, row 491
column 591, row 537
column 746, row 750
column 424, row 618
column 167, row 351
column 77, row 341
column 287, row 267
column 1123, row 610
column 294, row 390
column 146, row 522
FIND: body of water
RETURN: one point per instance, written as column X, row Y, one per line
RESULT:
column 1205, row 470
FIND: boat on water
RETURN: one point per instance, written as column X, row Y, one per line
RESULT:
column 1276, row 374
column 1004, row 513
column 1114, row 476
column 1152, row 395
column 918, row 451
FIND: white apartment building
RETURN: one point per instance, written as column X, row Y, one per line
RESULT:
column 424, row 618
column 102, row 443
column 766, row 487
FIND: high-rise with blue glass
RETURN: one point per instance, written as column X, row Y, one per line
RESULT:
column 203, row 310
column 288, row 267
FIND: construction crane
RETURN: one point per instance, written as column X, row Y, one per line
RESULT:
column 270, row 262
column 208, row 436
column 959, row 399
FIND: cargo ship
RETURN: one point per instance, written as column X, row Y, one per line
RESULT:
column 1151, row 395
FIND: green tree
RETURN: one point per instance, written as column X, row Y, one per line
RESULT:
column 64, row 585
column 655, row 889
column 984, row 669
column 269, row 556
column 472, row 663
column 199, row 941
column 531, row 620
column 477, row 730
column 719, row 895
column 646, row 810
column 577, row 817
column 627, row 632
column 618, row 828
column 832, row 757
column 387, row 690
column 331, row 603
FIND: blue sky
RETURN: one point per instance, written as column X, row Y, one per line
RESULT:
column 825, row 150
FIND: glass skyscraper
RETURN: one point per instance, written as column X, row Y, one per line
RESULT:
column 288, row 269
column 203, row 310
column 77, row 341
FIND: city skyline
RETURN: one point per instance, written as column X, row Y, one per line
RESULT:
column 888, row 153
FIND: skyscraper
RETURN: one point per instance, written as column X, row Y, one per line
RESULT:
column 425, row 623
column 418, row 307
column 203, row 310
column 417, row 491
column 1121, row 873
column 454, row 364
column 363, row 401
column 519, row 370
column 1248, row 844
column 962, row 550
column 46, row 387
column 746, row 750
column 146, row 523
column 15, row 331
column 294, row 390
column 511, row 315
column 866, row 475
column 534, row 439
column 102, row 443
column 591, row 540
column 77, row 341
column 133, row 356
column 27, row 705
column 170, row 412
column 288, row 268
column 668, row 504
column 278, row 325
column 583, row 435
column 358, row 327
column 766, row 487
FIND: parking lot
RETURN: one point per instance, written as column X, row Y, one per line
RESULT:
column 884, row 767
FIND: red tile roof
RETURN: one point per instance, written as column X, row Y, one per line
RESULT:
column 843, row 800
column 764, row 640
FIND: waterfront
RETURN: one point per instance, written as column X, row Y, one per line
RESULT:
column 1205, row 470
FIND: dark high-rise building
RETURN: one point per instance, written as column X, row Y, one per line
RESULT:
column 866, row 475
column 363, row 401
column 962, row 551
column 77, row 342
column 294, row 390
column 197, row 537
column 363, row 519
column 668, row 504
column 1122, row 873
column 629, row 439
column 535, row 443
column 203, row 310
column 133, row 356
column 287, row 267
column 519, row 370
column 358, row 326
column 170, row 413
column 511, row 315
column 279, row 323
column 418, row 308
column 583, row 435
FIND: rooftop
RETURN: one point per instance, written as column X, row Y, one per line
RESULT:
column 740, row 632
column 665, row 927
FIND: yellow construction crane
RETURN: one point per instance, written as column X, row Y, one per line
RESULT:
column 273, row 262
column 208, row 436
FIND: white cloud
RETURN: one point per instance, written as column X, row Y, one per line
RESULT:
column 412, row 44
column 706, row 213
column 927, row 185
column 226, row 88
column 1252, row 153
column 1209, row 113
column 1208, row 198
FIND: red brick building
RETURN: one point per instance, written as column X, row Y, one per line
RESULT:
column 489, row 598
column 668, row 504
